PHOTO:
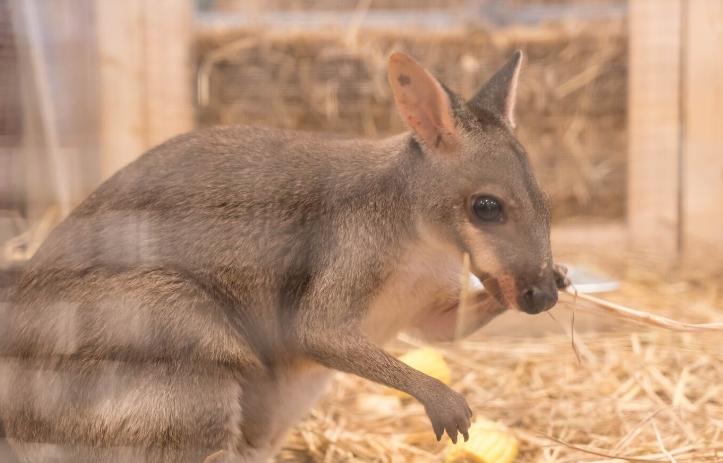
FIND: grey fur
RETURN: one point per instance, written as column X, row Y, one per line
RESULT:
column 227, row 270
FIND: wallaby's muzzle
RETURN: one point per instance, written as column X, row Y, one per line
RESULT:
column 529, row 297
column 538, row 297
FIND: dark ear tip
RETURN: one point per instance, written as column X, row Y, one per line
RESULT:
column 517, row 56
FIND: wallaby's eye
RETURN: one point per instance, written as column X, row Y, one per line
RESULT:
column 487, row 209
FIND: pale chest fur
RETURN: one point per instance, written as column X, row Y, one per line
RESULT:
column 426, row 277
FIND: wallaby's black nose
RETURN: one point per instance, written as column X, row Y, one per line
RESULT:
column 534, row 300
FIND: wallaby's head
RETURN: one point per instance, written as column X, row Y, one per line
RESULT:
column 474, row 185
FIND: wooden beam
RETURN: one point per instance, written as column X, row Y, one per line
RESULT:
column 168, row 39
column 145, row 89
column 121, row 91
column 702, row 200
column 654, row 127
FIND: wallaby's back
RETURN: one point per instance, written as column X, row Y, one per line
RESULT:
column 234, row 179
column 190, row 259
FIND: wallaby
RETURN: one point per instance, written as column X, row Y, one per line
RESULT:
column 197, row 301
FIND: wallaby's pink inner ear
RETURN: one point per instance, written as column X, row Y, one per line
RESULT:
column 422, row 102
column 500, row 92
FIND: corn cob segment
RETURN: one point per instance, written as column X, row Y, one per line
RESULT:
column 488, row 442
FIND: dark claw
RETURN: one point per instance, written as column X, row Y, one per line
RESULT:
column 438, row 432
column 448, row 412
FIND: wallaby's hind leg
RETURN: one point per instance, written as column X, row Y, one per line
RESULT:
column 6, row 453
column 135, row 366
column 120, row 412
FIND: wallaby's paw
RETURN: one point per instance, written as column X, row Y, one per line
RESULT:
column 561, row 279
column 448, row 412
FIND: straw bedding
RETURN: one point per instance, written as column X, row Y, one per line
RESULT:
column 645, row 396
column 635, row 393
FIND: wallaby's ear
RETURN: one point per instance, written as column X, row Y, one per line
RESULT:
column 498, row 94
column 422, row 102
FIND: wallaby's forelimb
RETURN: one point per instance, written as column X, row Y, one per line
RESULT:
column 351, row 352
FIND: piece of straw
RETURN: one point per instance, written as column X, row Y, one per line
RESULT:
column 638, row 316
column 463, row 294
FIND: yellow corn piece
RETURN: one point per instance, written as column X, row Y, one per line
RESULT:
column 428, row 361
column 489, row 442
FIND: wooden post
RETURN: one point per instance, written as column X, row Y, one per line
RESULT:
column 675, row 106
column 168, row 84
column 654, row 127
column 120, row 75
column 702, row 199
column 144, row 72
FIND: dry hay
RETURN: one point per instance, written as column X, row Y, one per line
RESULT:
column 635, row 393
column 634, row 396
column 571, row 101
